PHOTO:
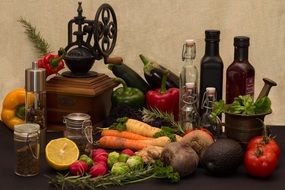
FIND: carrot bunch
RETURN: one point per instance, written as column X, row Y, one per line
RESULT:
column 137, row 136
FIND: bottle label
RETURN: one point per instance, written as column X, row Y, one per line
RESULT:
column 250, row 86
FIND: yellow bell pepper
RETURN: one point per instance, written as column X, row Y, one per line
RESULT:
column 13, row 107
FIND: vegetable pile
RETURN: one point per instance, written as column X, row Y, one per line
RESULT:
column 138, row 145
column 103, row 169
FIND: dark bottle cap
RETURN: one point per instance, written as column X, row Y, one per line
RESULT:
column 212, row 35
column 241, row 41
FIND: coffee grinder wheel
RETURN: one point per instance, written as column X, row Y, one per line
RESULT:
column 94, row 40
column 105, row 30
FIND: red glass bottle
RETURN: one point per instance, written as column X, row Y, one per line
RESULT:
column 240, row 74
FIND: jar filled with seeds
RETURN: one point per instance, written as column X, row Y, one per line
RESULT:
column 27, row 149
column 79, row 129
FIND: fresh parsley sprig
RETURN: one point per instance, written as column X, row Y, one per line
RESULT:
column 166, row 131
column 119, row 124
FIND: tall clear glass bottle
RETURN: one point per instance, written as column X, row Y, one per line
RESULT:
column 211, row 68
column 212, row 124
column 35, row 102
column 240, row 74
column 188, row 75
column 189, row 72
column 189, row 116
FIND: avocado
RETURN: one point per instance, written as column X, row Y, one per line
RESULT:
column 222, row 157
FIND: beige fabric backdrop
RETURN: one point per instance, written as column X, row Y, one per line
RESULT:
column 157, row 28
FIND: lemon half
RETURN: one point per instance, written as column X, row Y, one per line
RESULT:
column 61, row 153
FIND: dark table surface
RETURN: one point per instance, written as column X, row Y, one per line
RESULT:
column 198, row 181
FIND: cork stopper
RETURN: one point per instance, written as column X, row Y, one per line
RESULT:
column 190, row 85
column 211, row 90
column 190, row 42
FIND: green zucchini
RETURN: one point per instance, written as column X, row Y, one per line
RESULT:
column 132, row 78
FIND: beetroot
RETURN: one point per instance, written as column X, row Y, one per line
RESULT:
column 78, row 167
column 198, row 139
column 98, row 169
column 128, row 152
column 182, row 158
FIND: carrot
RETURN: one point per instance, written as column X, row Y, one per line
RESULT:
column 144, row 129
column 141, row 128
column 112, row 142
column 123, row 134
column 160, row 141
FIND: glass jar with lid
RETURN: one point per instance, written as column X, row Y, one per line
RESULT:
column 27, row 149
column 79, row 129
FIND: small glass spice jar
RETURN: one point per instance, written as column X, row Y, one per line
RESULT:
column 79, row 129
column 27, row 149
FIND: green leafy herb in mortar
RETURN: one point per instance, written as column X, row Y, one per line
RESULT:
column 243, row 105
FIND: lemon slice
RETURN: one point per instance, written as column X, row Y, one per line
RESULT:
column 61, row 153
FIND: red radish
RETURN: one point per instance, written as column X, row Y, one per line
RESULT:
column 103, row 163
column 78, row 167
column 100, row 158
column 128, row 152
column 98, row 169
column 98, row 152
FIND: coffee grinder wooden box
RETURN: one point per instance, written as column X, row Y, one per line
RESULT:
column 91, row 95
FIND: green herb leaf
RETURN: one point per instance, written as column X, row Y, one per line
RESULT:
column 243, row 105
column 219, row 108
column 262, row 105
column 166, row 131
column 165, row 172
column 120, row 124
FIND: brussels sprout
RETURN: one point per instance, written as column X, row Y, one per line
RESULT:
column 135, row 162
column 123, row 157
column 120, row 168
column 112, row 158
column 86, row 159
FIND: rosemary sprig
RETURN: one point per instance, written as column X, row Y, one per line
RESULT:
column 153, row 113
column 157, row 170
column 40, row 44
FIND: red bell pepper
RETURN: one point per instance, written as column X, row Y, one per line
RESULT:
column 52, row 62
column 166, row 100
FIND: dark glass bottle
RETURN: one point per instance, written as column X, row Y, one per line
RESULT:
column 211, row 66
column 240, row 74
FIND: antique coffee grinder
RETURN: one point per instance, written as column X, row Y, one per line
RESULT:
column 82, row 90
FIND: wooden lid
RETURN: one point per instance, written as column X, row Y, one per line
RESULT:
column 91, row 86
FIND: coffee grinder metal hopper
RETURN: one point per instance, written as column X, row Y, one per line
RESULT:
column 90, row 40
